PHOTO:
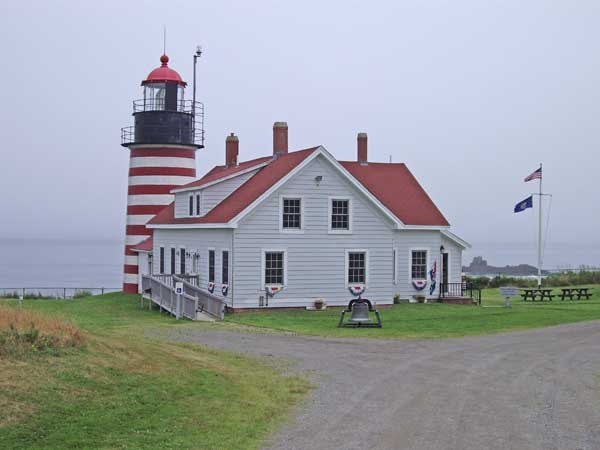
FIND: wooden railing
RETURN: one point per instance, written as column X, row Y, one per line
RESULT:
column 160, row 289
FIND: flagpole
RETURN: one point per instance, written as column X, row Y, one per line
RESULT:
column 540, row 232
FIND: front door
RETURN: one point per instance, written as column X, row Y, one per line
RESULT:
column 445, row 271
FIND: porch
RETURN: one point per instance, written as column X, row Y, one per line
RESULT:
column 462, row 293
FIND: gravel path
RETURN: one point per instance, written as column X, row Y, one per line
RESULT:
column 523, row 391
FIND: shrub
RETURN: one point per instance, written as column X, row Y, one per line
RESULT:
column 82, row 294
column 23, row 332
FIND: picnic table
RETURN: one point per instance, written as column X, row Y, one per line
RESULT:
column 578, row 292
column 534, row 294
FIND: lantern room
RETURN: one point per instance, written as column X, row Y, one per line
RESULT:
column 163, row 115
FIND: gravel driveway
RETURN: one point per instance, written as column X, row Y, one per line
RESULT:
column 526, row 390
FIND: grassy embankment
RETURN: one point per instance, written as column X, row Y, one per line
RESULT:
column 425, row 321
column 114, row 388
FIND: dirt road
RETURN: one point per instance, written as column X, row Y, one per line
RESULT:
column 528, row 390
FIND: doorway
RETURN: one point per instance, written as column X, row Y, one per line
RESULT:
column 445, row 272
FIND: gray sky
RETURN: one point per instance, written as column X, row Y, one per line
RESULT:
column 471, row 95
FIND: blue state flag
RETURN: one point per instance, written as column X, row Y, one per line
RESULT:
column 522, row 206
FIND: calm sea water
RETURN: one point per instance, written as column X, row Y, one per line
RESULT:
column 87, row 264
column 60, row 263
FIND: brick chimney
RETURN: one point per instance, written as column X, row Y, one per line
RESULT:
column 232, row 146
column 280, row 138
column 361, row 140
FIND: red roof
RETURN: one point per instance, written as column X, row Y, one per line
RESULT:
column 164, row 74
column 243, row 196
column 399, row 191
column 219, row 172
column 392, row 184
column 144, row 246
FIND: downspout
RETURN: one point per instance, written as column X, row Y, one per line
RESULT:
column 232, row 267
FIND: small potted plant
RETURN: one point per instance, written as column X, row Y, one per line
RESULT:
column 319, row 303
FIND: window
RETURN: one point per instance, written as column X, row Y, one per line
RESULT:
column 191, row 205
column 292, row 214
column 162, row 260
column 211, row 266
column 419, row 264
column 274, row 270
column 197, row 204
column 182, row 260
column 357, row 267
column 225, row 267
column 340, row 215
column 172, row 260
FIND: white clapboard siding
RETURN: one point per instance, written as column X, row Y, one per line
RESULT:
column 407, row 240
column 192, row 241
column 316, row 259
column 211, row 196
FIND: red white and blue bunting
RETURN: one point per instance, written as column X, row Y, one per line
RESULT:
column 211, row 287
column 224, row 290
column 419, row 284
column 272, row 290
column 357, row 289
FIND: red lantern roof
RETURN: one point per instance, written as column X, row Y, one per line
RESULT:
column 164, row 74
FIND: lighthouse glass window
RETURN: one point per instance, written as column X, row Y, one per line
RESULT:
column 154, row 97
column 419, row 264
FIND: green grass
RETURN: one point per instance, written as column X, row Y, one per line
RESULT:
column 127, row 391
column 428, row 321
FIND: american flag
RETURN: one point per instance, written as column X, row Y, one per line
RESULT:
column 535, row 175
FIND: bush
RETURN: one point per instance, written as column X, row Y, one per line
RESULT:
column 23, row 332
column 82, row 294
column 554, row 280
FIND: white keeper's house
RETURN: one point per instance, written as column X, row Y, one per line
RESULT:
column 295, row 226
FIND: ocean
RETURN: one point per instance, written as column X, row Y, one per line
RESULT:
column 59, row 263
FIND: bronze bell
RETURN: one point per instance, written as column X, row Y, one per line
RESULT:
column 360, row 312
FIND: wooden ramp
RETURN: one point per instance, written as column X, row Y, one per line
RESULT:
column 194, row 303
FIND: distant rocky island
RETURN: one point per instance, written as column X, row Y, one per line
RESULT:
column 479, row 266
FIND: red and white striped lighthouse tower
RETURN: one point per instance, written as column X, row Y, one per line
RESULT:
column 163, row 141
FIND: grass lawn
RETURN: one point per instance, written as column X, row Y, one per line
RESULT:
column 425, row 321
column 126, row 391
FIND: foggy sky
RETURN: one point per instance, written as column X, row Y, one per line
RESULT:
column 471, row 95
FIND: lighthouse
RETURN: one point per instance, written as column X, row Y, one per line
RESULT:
column 162, row 143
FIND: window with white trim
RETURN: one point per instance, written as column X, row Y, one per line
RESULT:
column 161, row 260
column 191, row 205
column 225, row 267
column 357, row 267
column 418, row 263
column 292, row 214
column 211, row 266
column 172, row 260
column 197, row 204
column 274, row 268
column 182, row 260
column 340, row 214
